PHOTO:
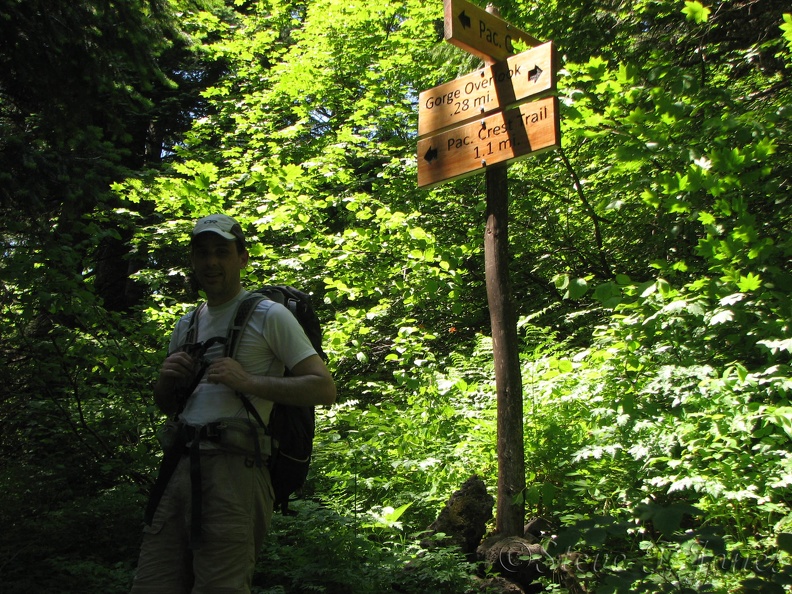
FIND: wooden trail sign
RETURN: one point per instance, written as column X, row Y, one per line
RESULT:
column 499, row 138
column 528, row 75
column 481, row 33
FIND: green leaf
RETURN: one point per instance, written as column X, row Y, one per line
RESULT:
column 565, row 366
column 561, row 281
column 750, row 282
column 782, row 417
column 609, row 294
column 776, row 346
column 696, row 12
column 576, row 289
column 787, row 29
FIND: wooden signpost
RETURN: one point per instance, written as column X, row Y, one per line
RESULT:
column 481, row 33
column 502, row 136
column 528, row 75
column 481, row 122
column 449, row 147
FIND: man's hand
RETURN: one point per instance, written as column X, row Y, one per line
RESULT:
column 309, row 383
column 179, row 369
column 176, row 375
column 229, row 372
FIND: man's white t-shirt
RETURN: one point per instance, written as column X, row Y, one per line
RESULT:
column 272, row 341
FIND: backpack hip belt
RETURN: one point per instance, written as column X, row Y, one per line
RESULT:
column 233, row 434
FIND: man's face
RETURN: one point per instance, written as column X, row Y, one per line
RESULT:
column 217, row 264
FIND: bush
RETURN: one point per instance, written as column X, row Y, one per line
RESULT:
column 318, row 550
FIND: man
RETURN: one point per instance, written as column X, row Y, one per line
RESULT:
column 235, row 494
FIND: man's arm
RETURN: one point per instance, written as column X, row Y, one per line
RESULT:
column 310, row 382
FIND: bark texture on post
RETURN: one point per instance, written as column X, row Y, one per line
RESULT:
column 510, row 509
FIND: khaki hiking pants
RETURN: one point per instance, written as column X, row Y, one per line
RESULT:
column 236, row 511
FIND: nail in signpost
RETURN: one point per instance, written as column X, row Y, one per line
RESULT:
column 482, row 122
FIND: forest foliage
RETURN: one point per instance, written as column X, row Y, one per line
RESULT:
column 650, row 269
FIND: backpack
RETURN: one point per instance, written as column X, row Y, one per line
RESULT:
column 291, row 428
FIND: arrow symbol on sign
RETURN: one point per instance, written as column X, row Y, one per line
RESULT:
column 465, row 20
column 534, row 74
column 431, row 154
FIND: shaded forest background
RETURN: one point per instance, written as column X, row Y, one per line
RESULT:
column 650, row 268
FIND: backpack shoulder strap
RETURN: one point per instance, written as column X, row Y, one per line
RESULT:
column 244, row 310
column 192, row 328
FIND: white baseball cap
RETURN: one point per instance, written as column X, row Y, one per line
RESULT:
column 221, row 224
